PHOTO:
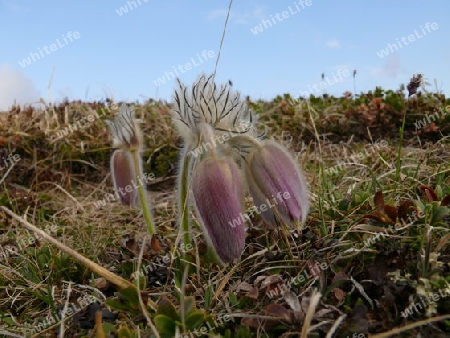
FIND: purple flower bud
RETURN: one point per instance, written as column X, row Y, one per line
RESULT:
column 218, row 193
column 276, row 182
column 123, row 175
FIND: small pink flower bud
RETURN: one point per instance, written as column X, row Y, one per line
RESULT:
column 123, row 176
column 218, row 193
column 275, row 180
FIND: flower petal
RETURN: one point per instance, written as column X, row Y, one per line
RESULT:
column 123, row 175
column 272, row 175
column 219, row 196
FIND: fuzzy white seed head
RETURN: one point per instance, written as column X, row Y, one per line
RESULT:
column 220, row 107
column 125, row 129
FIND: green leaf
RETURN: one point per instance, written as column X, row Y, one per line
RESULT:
column 439, row 213
column 166, row 307
column 117, row 305
column 194, row 319
column 233, row 299
column 208, row 296
column 123, row 333
column 108, row 328
column 165, row 324
column 419, row 205
column 438, row 191
column 123, row 303
column 130, row 294
column 189, row 303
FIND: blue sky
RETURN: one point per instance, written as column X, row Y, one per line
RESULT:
column 122, row 56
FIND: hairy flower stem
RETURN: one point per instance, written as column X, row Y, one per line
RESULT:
column 142, row 196
column 184, row 200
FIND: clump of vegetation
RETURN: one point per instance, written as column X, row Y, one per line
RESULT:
column 373, row 256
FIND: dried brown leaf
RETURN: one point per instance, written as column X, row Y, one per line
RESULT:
column 445, row 201
column 155, row 244
column 391, row 212
column 278, row 311
column 379, row 216
column 314, row 267
column 339, row 294
column 244, row 286
column 404, row 209
column 292, row 300
column 379, row 200
column 253, row 293
column 252, row 322
column 340, row 276
column 270, row 280
column 429, row 193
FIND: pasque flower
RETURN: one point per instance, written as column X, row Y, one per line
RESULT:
column 126, row 162
column 126, row 137
column 205, row 103
column 274, row 179
column 124, row 175
column 220, row 144
column 203, row 114
column 218, row 193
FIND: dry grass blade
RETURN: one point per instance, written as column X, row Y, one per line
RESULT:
column 10, row 334
column 313, row 302
column 443, row 241
column 113, row 278
column 141, row 301
column 7, row 173
column 66, row 306
column 410, row 326
column 232, row 271
column 98, row 325
column 335, row 326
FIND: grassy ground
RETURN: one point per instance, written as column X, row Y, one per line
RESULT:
column 373, row 256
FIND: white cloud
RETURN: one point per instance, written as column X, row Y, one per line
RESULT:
column 238, row 18
column 14, row 6
column 391, row 67
column 258, row 12
column 333, row 44
column 15, row 87
column 217, row 14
